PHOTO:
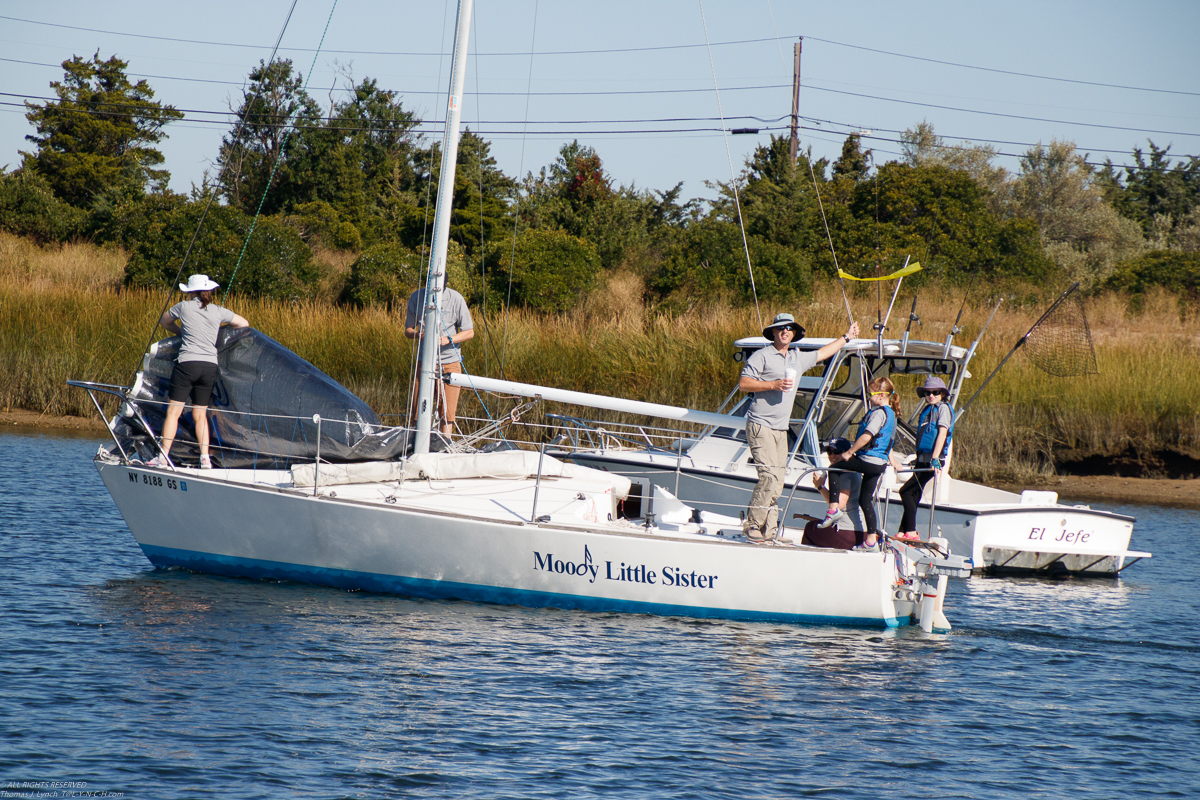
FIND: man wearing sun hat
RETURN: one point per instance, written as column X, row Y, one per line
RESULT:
column 767, row 376
column 198, row 320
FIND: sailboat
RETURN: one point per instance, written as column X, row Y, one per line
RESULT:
column 310, row 487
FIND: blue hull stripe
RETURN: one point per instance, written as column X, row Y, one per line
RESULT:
column 236, row 567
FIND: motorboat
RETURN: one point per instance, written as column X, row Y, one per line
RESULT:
column 710, row 467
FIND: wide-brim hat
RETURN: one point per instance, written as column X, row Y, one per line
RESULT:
column 784, row 320
column 933, row 384
column 198, row 283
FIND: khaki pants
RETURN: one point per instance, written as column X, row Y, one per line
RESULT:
column 447, row 397
column 768, row 448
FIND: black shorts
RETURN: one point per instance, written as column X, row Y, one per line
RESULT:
column 195, row 378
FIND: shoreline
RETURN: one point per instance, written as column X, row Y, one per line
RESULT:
column 1104, row 488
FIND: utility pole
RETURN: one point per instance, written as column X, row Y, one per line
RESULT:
column 796, row 99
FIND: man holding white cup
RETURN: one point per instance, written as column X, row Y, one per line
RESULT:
column 771, row 375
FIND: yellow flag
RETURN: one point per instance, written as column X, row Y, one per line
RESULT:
column 909, row 270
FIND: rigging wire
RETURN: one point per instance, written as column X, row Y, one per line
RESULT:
column 212, row 196
column 512, row 256
column 278, row 156
column 732, row 175
column 821, row 205
column 426, row 257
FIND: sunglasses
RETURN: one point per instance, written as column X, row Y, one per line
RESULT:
column 875, row 393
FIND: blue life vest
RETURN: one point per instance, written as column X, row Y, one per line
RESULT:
column 927, row 431
column 881, row 445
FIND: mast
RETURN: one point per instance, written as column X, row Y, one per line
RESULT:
column 431, row 343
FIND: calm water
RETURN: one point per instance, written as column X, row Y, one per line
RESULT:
column 166, row 684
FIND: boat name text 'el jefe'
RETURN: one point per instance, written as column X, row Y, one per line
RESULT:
column 1077, row 537
column 633, row 573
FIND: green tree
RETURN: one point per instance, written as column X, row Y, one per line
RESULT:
column 99, row 136
column 28, row 207
column 708, row 259
column 1155, row 191
column 922, row 147
column 549, row 270
column 1081, row 232
column 276, row 263
column 1177, row 272
column 575, row 195
column 351, row 159
column 259, row 145
column 853, row 162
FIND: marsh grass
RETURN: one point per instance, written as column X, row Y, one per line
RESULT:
column 63, row 316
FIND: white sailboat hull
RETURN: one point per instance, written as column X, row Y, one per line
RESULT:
column 999, row 536
column 351, row 541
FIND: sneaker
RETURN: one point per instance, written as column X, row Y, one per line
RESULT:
column 867, row 548
column 205, row 462
column 158, row 461
column 834, row 518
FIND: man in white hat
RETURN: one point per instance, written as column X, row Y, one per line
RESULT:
column 772, row 374
column 198, row 319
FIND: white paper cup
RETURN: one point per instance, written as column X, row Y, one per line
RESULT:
column 790, row 376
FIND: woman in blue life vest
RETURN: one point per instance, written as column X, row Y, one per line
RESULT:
column 935, row 428
column 869, row 455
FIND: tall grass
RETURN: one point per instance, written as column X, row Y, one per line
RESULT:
column 63, row 315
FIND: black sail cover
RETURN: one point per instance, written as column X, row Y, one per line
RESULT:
column 262, row 408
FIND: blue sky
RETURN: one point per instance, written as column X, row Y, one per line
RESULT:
column 634, row 79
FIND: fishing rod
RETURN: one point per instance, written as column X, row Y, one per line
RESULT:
column 955, row 329
column 912, row 317
column 956, row 386
column 881, row 326
column 1017, row 346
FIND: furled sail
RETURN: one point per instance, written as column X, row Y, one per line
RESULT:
column 262, row 408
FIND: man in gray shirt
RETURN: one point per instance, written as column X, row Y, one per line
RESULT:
column 457, row 328
column 767, row 419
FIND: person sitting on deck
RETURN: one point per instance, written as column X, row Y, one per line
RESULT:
column 874, row 442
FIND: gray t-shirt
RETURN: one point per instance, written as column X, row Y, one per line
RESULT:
column 455, row 318
column 773, row 408
column 200, row 328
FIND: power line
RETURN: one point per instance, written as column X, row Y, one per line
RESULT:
column 417, row 91
column 1001, row 71
column 1000, row 114
column 620, row 50
column 427, row 53
column 129, row 109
